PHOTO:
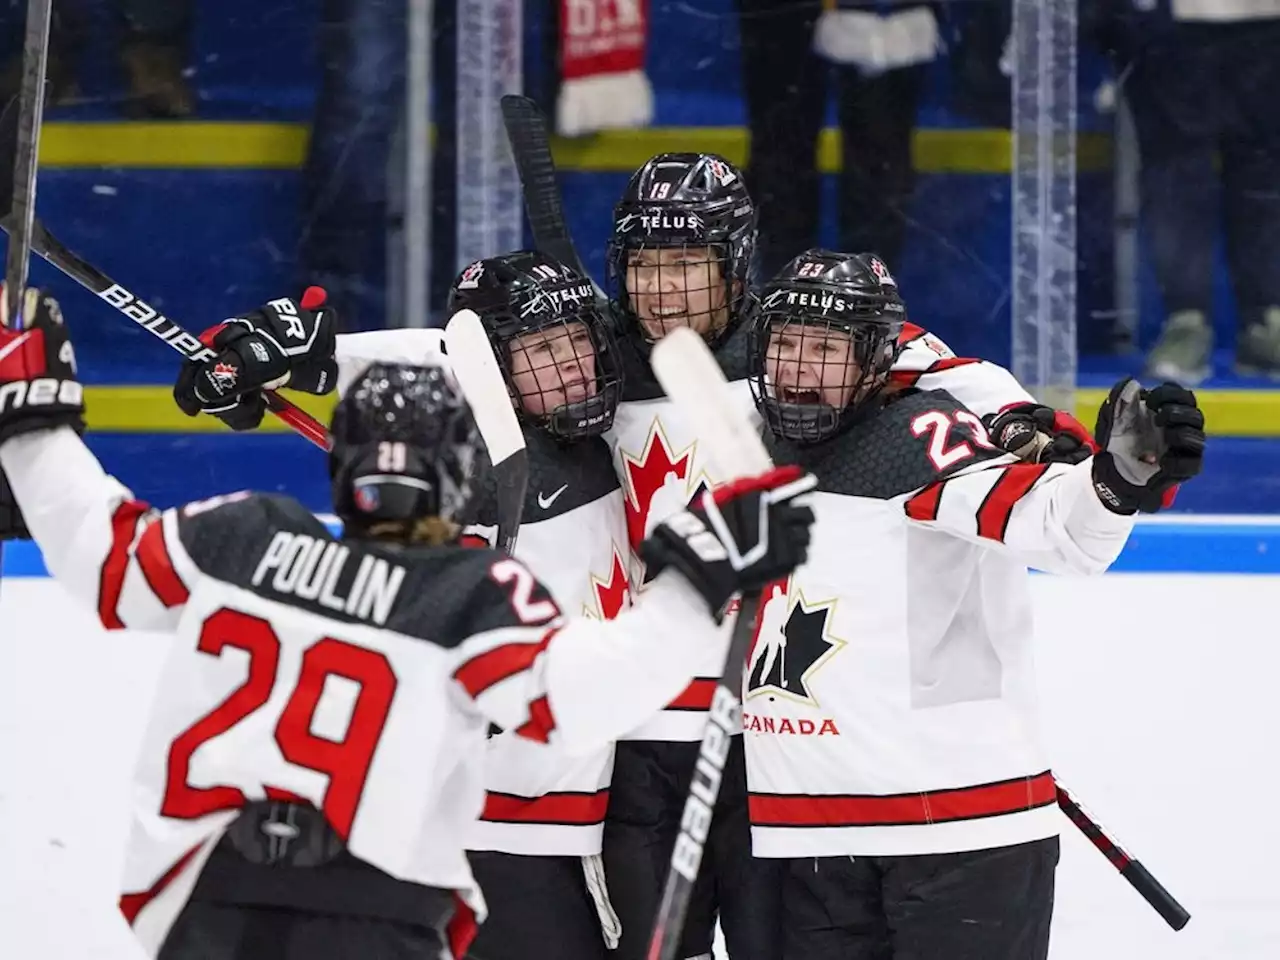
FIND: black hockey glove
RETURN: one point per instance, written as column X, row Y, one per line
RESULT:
column 1151, row 441
column 283, row 343
column 39, row 388
column 746, row 535
column 1039, row 434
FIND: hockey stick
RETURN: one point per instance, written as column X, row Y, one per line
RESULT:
column 530, row 141
column 1174, row 913
column 27, row 117
column 471, row 358
column 694, row 382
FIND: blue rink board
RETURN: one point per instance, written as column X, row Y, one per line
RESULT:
column 1159, row 546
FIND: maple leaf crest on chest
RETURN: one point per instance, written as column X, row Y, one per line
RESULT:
column 647, row 473
column 613, row 594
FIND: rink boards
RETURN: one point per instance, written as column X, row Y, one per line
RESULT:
column 1158, row 702
column 1178, row 543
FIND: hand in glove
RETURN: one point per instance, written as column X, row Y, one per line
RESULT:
column 1151, row 441
column 39, row 388
column 742, row 537
column 283, row 343
column 1039, row 434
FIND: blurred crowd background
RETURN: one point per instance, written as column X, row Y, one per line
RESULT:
column 211, row 154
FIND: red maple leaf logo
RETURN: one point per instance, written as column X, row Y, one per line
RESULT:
column 614, row 594
column 646, row 475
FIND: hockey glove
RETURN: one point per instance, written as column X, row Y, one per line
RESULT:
column 284, row 343
column 738, row 539
column 1039, row 434
column 1151, row 441
column 39, row 388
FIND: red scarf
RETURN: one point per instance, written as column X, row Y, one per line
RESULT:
column 602, row 80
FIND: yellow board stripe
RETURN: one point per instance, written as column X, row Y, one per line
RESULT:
column 1228, row 413
column 197, row 145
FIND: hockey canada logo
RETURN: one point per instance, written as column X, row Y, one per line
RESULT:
column 611, row 596
column 470, row 277
column 721, row 171
column 787, row 653
column 223, row 377
column 882, row 273
column 654, row 470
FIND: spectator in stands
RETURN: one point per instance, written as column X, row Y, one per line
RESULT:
column 153, row 53
column 1201, row 77
column 343, row 245
column 877, row 57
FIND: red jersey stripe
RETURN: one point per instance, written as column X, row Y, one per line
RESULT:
column 567, row 809
column 540, row 723
column 493, row 666
column 111, row 580
column 924, row 505
column 132, row 904
column 696, row 696
column 998, row 504
column 157, row 567
column 908, row 809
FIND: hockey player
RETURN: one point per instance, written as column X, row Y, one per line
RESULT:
column 356, row 675
column 681, row 252
column 893, row 762
column 536, row 846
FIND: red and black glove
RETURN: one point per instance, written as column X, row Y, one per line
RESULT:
column 283, row 343
column 746, row 535
column 1040, row 434
column 39, row 387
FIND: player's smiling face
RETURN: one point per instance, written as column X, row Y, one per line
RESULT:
column 811, row 364
column 553, row 367
column 680, row 286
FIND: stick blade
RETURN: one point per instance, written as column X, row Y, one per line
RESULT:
column 477, row 372
column 693, row 380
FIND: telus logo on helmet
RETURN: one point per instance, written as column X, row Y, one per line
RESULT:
column 661, row 221
column 695, row 823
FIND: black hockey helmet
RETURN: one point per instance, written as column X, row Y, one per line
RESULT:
column 686, row 229
column 404, row 442
column 821, row 340
column 566, row 386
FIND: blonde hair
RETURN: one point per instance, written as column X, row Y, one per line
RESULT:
column 433, row 531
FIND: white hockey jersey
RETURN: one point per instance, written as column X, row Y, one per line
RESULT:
column 540, row 799
column 890, row 697
column 662, row 465
column 356, row 678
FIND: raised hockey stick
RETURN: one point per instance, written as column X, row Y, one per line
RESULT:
column 1174, row 913
column 471, row 358
column 27, row 117
column 530, row 140
column 694, row 382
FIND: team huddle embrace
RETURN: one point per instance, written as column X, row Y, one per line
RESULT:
column 441, row 733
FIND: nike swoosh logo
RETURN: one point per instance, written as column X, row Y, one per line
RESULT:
column 14, row 345
column 545, row 502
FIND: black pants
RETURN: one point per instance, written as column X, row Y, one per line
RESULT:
column 538, row 907
column 984, row 905
column 214, row 931
column 646, row 800
column 785, row 84
column 1203, row 95
column 265, row 895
